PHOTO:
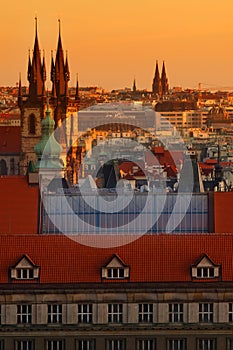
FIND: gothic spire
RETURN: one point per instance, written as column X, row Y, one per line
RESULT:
column 157, row 86
column 164, row 80
column 134, row 85
column 77, row 98
column 35, row 71
column 60, row 68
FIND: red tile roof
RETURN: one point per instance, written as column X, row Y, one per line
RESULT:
column 10, row 139
column 151, row 258
column 18, row 205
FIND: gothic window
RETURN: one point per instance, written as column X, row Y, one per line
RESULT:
column 3, row 167
column 32, row 124
column 12, row 166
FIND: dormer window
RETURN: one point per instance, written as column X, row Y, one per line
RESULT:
column 115, row 269
column 205, row 272
column 116, row 272
column 24, row 274
column 24, row 269
column 205, row 268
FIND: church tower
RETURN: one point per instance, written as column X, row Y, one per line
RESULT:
column 32, row 106
column 157, row 85
column 164, row 81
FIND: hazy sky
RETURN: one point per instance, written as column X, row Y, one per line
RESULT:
column 111, row 42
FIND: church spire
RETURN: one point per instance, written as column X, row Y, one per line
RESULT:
column 35, row 71
column 134, row 85
column 157, row 86
column 164, row 81
column 77, row 97
column 61, row 77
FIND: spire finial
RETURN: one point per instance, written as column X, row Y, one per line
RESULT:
column 36, row 24
column 59, row 26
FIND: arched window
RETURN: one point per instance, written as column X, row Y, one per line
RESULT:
column 32, row 124
column 12, row 166
column 3, row 167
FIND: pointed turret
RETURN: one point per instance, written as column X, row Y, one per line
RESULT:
column 157, row 86
column 35, row 71
column 164, row 81
column 61, row 77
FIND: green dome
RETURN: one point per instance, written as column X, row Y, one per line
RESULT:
column 48, row 150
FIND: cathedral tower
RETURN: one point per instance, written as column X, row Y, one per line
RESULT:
column 32, row 105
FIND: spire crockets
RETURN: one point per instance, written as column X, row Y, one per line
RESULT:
column 157, row 86
column 36, row 71
column 164, row 81
column 61, row 69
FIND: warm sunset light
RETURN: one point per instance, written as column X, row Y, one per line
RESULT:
column 110, row 43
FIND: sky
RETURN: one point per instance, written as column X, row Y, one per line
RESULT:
column 109, row 43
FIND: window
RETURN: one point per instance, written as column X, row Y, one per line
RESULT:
column 86, row 344
column 24, row 274
column 230, row 312
column 115, row 269
column 24, row 269
column 205, row 268
column 1, row 344
column 116, row 344
column 205, row 272
column 32, row 124
column 24, row 345
column 206, row 313
column 206, row 344
column 145, row 313
column 177, row 344
column 146, row 344
column 55, row 313
column 24, row 314
column 115, row 272
column 176, row 313
column 115, row 313
column 85, row 313
column 3, row 167
column 55, row 345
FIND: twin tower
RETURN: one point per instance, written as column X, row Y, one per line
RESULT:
column 33, row 104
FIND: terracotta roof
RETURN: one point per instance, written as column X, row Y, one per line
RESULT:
column 18, row 205
column 151, row 258
column 10, row 139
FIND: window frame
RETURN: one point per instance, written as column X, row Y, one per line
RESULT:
column 206, row 316
column 29, row 273
column 145, row 313
column 204, row 344
column 54, row 313
column 90, row 344
column 116, row 344
column 20, row 344
column 50, row 344
column 24, row 316
column 176, row 316
column 115, row 313
column 85, row 316
column 177, row 344
column 146, row 344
